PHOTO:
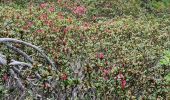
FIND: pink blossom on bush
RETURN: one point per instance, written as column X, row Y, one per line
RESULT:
column 5, row 77
column 43, row 16
column 123, row 83
column 30, row 24
column 80, row 10
column 48, row 22
column 100, row 55
column 59, row 1
column 40, row 31
column 123, row 65
column 51, row 9
column 64, row 77
column 106, row 71
column 106, row 78
column 43, row 5
column 120, row 76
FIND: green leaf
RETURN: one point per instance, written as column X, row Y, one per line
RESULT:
column 167, row 77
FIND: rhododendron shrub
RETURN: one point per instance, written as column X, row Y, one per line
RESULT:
column 79, row 10
column 101, row 50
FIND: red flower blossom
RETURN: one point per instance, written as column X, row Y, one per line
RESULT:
column 5, row 77
column 43, row 5
column 123, row 83
column 48, row 22
column 106, row 72
column 40, row 31
column 100, row 56
column 43, row 17
column 51, row 9
column 30, row 24
column 66, row 30
column 120, row 76
column 80, row 10
column 106, row 78
column 64, row 77
column 123, row 65
column 59, row 1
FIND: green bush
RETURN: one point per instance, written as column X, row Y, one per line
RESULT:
column 105, row 58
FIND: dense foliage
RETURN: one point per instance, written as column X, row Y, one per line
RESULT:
column 102, row 49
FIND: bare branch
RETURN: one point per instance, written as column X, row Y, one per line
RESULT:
column 20, row 52
column 18, row 63
column 19, row 83
column 16, row 70
column 4, row 40
column 3, row 60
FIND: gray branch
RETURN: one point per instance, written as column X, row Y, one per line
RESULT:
column 19, row 83
column 18, row 63
column 20, row 52
column 5, row 40
column 3, row 60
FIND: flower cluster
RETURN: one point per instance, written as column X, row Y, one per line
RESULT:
column 79, row 10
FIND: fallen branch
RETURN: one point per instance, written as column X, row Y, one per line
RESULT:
column 19, row 83
column 3, row 60
column 18, row 63
column 5, row 40
column 20, row 52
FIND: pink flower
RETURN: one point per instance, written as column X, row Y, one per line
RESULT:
column 120, row 76
column 123, row 65
column 30, row 24
column 43, row 17
column 64, row 77
column 106, row 78
column 80, row 10
column 100, row 56
column 5, row 77
column 59, row 1
column 43, row 5
column 123, row 83
column 66, row 30
column 51, row 9
column 40, row 31
column 48, row 22
column 106, row 72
